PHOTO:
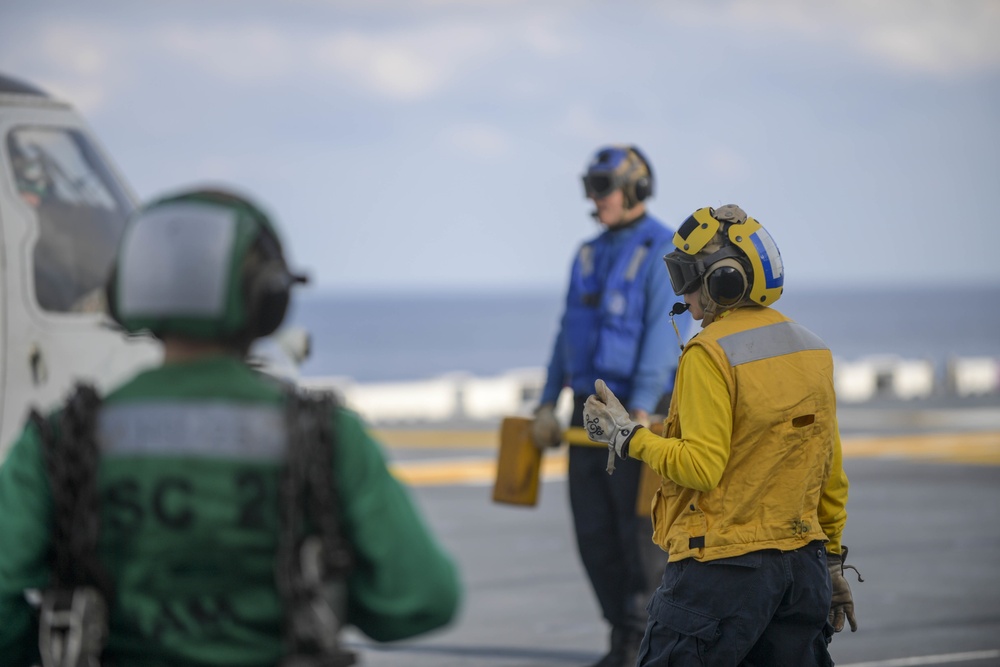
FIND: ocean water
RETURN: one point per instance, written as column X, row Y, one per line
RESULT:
column 381, row 337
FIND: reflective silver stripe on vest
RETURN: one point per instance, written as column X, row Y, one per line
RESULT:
column 636, row 262
column 773, row 340
column 587, row 259
column 211, row 430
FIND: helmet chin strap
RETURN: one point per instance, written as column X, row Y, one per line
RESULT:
column 713, row 310
column 708, row 306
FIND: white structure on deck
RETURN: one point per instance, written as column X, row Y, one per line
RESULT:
column 972, row 376
column 456, row 396
column 884, row 375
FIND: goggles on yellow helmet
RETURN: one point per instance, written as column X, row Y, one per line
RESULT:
column 683, row 265
column 686, row 271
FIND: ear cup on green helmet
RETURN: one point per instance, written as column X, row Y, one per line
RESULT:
column 268, row 305
column 267, row 283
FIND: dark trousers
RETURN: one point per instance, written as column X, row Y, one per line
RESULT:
column 763, row 609
column 611, row 539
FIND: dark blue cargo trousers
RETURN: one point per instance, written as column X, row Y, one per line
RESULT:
column 763, row 609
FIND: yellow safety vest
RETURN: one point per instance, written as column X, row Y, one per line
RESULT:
column 778, row 482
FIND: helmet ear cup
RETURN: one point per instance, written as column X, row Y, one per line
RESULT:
column 266, row 285
column 642, row 187
column 726, row 282
column 267, row 300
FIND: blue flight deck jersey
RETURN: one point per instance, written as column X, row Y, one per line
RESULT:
column 616, row 325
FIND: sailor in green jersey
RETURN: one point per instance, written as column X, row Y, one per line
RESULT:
column 190, row 471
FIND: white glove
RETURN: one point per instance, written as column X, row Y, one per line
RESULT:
column 545, row 429
column 607, row 420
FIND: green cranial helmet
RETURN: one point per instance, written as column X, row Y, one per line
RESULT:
column 201, row 264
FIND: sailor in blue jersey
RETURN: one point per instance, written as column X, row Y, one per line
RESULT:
column 616, row 327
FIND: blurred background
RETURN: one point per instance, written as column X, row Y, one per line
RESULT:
column 422, row 157
column 436, row 144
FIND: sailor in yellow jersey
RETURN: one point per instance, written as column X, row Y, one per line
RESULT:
column 752, row 503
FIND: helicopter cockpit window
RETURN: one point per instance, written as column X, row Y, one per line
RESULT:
column 80, row 209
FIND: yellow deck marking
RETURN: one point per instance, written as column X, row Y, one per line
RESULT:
column 981, row 448
column 431, row 439
column 482, row 471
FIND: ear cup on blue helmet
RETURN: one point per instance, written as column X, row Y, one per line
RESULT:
column 643, row 186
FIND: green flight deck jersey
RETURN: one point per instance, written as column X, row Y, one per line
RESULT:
column 188, row 480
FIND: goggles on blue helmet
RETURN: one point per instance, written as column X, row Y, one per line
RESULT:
column 607, row 172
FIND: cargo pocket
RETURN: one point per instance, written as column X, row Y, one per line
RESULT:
column 660, row 508
column 685, row 621
column 676, row 634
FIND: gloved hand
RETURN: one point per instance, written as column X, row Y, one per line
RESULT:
column 545, row 429
column 842, row 603
column 607, row 420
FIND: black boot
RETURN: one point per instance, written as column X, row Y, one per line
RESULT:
column 624, row 648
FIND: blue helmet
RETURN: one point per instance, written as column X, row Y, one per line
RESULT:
column 619, row 167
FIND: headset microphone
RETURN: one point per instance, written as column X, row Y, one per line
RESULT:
column 679, row 308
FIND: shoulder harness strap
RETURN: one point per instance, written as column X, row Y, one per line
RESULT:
column 73, row 622
column 314, row 558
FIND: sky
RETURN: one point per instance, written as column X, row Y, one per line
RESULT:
column 437, row 145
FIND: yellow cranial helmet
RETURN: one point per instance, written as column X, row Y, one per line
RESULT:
column 730, row 254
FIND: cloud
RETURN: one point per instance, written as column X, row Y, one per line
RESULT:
column 949, row 38
column 938, row 37
column 395, row 59
column 726, row 163
column 478, row 140
column 396, row 63
column 76, row 62
column 241, row 53
column 89, row 57
column 422, row 60
column 399, row 64
column 543, row 37
column 580, row 122
column 402, row 67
